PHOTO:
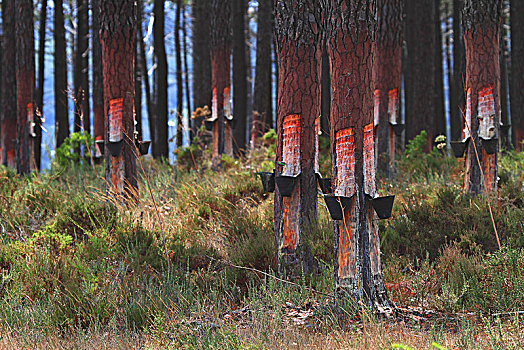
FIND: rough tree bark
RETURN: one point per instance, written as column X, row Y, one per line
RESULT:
column 421, row 85
column 25, row 82
column 440, row 117
column 262, row 118
column 220, row 73
column 117, row 34
column 81, row 69
column 201, row 58
column 186, row 69
column 517, row 72
column 358, row 271
column 386, row 77
column 143, row 66
column 481, row 23
column 40, row 89
column 239, row 9
column 60, row 81
column 325, row 90
column 9, row 103
column 179, row 83
column 457, row 94
column 138, row 81
column 160, row 129
column 298, row 24
column 98, row 78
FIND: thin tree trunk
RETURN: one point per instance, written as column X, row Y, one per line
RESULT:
column 138, row 87
column 179, row 83
column 160, row 128
column 145, row 77
column 9, row 101
column 504, row 118
column 358, row 270
column 457, row 94
column 186, row 69
column 262, row 104
column 220, row 73
column 81, row 69
column 201, row 58
column 25, row 78
column 517, row 72
column 481, row 23
column 440, row 116
column 239, row 73
column 421, row 85
column 40, row 90
column 98, row 79
column 387, row 76
column 60, row 81
column 325, row 90
column 117, row 34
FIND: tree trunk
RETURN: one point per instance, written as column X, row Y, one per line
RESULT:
column 201, row 58
column 25, row 82
column 505, row 141
column 387, row 76
column 481, row 23
column 325, row 90
column 145, row 77
column 457, row 94
column 81, row 69
column 160, row 128
column 517, row 72
column 220, row 73
column 117, row 35
column 239, row 8
column 138, row 85
column 98, row 79
column 179, row 83
column 60, row 81
column 262, row 118
column 40, row 90
column 9, row 101
column 298, row 40
column 186, row 69
column 421, row 85
column 358, row 270
column 440, row 115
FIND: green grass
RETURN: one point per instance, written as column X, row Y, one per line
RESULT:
column 77, row 265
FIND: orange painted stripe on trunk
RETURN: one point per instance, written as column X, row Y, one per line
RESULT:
column 289, row 234
column 116, row 107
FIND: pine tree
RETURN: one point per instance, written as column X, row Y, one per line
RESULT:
column 25, row 82
column 60, row 76
column 9, row 105
column 481, row 23
column 117, row 34
column 358, row 271
column 517, row 72
column 298, row 42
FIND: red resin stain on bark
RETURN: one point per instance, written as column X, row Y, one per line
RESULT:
column 290, row 222
column 465, row 130
column 317, row 150
column 369, row 160
column 115, row 119
column 347, row 245
column 486, row 110
column 345, row 162
column 292, row 129
column 393, row 105
column 376, row 118
column 291, row 132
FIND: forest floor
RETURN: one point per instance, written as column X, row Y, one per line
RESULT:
column 190, row 264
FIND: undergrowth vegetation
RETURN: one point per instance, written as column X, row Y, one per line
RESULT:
column 177, row 266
